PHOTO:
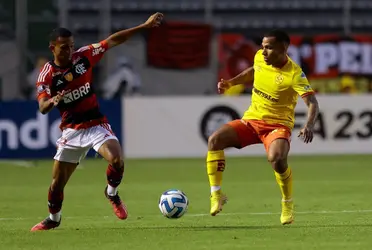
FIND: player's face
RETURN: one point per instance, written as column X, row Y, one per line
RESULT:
column 63, row 49
column 274, row 52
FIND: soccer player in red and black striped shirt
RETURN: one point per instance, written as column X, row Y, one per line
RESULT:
column 66, row 83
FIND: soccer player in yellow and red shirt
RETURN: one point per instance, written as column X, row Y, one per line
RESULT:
column 278, row 81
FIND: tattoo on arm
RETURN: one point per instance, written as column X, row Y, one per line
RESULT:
column 313, row 109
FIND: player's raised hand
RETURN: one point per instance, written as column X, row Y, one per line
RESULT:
column 222, row 86
column 154, row 20
column 306, row 134
column 57, row 98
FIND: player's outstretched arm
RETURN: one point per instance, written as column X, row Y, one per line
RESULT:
column 123, row 35
column 244, row 77
column 247, row 76
column 313, row 110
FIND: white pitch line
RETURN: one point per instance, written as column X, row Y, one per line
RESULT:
column 25, row 164
column 276, row 213
column 221, row 214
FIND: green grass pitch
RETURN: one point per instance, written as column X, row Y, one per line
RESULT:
column 333, row 200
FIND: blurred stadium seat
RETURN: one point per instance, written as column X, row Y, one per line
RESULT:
column 316, row 16
column 252, row 17
column 248, row 17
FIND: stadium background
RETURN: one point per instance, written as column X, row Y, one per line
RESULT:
column 199, row 43
column 165, row 105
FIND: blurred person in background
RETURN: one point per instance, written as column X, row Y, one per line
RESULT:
column 123, row 81
column 30, row 90
column 348, row 85
column 237, row 58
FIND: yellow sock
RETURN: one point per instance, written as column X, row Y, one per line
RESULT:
column 215, row 168
column 284, row 181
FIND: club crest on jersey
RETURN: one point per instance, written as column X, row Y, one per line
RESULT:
column 303, row 75
column 279, row 78
column 69, row 77
column 80, row 68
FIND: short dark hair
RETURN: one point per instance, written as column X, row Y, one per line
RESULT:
column 280, row 36
column 59, row 32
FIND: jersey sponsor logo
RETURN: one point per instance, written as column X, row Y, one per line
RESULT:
column 307, row 88
column 98, row 51
column 73, row 95
column 266, row 96
column 56, row 73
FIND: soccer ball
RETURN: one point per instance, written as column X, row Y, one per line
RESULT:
column 173, row 203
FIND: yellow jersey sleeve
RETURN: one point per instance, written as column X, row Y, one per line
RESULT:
column 235, row 90
column 258, row 57
column 301, row 85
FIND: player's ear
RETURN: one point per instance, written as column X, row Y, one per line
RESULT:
column 51, row 47
column 286, row 45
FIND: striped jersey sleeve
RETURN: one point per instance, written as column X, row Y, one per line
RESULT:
column 44, row 81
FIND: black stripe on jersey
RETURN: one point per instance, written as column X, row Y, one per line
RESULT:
column 77, row 118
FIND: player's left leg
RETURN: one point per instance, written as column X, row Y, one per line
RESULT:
column 277, row 147
column 108, row 146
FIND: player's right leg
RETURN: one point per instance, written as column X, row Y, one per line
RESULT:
column 62, row 172
column 236, row 134
column 69, row 153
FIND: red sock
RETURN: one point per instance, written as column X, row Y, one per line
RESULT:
column 114, row 175
column 55, row 199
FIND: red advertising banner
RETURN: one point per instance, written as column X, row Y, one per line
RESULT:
column 332, row 63
column 179, row 45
